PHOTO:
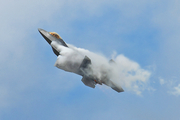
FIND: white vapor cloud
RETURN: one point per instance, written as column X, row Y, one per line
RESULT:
column 123, row 72
column 161, row 81
column 133, row 77
column 176, row 90
column 172, row 85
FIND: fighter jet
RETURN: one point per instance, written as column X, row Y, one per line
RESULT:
column 88, row 80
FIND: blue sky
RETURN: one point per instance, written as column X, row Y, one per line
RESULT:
column 146, row 32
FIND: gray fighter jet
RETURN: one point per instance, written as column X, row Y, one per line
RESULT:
column 87, row 79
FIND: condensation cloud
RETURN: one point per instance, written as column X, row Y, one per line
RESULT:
column 123, row 71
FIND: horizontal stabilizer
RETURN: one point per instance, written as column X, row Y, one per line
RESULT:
column 113, row 86
column 88, row 82
column 118, row 89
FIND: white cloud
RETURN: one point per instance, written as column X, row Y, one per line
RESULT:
column 132, row 76
column 170, row 85
column 161, row 80
column 176, row 91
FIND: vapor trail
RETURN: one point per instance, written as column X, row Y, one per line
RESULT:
column 123, row 71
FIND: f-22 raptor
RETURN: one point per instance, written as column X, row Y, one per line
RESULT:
column 88, row 80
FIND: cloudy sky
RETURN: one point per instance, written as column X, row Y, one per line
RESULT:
column 145, row 32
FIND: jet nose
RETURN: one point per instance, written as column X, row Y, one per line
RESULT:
column 42, row 31
column 45, row 34
column 51, row 36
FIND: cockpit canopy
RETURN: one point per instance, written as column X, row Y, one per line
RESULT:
column 55, row 35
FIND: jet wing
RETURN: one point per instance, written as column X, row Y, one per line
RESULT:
column 84, row 66
column 113, row 86
column 87, row 80
column 90, row 80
